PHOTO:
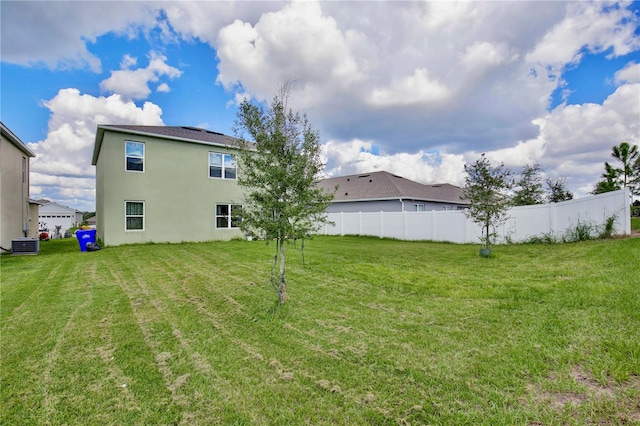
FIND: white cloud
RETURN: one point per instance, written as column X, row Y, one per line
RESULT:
column 410, row 78
column 204, row 19
column 595, row 26
column 575, row 140
column 297, row 42
column 415, row 89
column 357, row 156
column 483, row 55
column 134, row 83
column 63, row 160
column 629, row 74
column 56, row 33
column 163, row 88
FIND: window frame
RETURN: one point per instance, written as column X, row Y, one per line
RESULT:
column 223, row 165
column 230, row 217
column 127, row 156
column 127, row 216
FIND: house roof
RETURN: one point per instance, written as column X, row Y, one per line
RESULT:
column 11, row 137
column 176, row 133
column 387, row 186
column 49, row 206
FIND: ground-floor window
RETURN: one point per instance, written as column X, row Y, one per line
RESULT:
column 134, row 215
column 228, row 215
column 419, row 207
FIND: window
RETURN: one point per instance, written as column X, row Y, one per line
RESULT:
column 419, row 207
column 228, row 215
column 222, row 166
column 134, row 153
column 134, row 215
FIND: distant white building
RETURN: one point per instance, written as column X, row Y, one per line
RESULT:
column 53, row 214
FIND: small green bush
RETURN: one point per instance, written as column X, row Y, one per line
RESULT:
column 582, row 231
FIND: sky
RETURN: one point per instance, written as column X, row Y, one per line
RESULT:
column 418, row 89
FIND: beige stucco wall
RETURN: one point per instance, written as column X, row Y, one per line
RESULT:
column 179, row 196
column 14, row 194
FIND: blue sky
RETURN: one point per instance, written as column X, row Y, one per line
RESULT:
column 413, row 88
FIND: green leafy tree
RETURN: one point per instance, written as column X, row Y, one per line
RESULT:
column 279, row 165
column 486, row 189
column 628, row 155
column 529, row 188
column 635, row 179
column 557, row 190
column 609, row 180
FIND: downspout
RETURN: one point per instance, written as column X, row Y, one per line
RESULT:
column 402, row 202
column 25, row 229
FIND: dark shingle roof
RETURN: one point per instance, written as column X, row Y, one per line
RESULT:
column 384, row 185
column 177, row 133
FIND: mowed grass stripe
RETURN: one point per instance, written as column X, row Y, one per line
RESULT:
column 375, row 332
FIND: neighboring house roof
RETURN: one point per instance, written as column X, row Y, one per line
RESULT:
column 51, row 206
column 386, row 186
column 11, row 137
column 175, row 133
column 91, row 220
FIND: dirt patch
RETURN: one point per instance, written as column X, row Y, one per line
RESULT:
column 627, row 407
column 593, row 387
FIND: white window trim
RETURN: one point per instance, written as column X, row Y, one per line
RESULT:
column 223, row 167
column 144, row 214
column 230, row 205
column 144, row 162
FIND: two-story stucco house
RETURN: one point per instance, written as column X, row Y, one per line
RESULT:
column 165, row 184
column 18, row 214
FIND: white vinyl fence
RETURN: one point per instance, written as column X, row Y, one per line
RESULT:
column 542, row 220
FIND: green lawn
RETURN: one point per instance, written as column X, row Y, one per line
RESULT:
column 635, row 223
column 375, row 332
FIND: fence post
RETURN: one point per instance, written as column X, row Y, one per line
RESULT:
column 434, row 228
column 552, row 219
column 342, row 224
column 404, row 218
column 381, row 224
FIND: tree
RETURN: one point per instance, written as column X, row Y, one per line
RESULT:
column 278, row 169
column 609, row 180
column 628, row 155
column 486, row 189
column 557, row 190
column 634, row 182
column 529, row 188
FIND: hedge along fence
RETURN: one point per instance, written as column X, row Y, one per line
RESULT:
column 549, row 221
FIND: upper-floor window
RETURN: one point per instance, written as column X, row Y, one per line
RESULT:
column 222, row 166
column 134, row 154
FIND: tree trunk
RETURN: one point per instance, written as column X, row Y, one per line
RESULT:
column 282, row 285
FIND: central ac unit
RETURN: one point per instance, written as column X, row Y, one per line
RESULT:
column 25, row 246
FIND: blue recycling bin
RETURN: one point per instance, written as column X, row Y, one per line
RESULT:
column 85, row 236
